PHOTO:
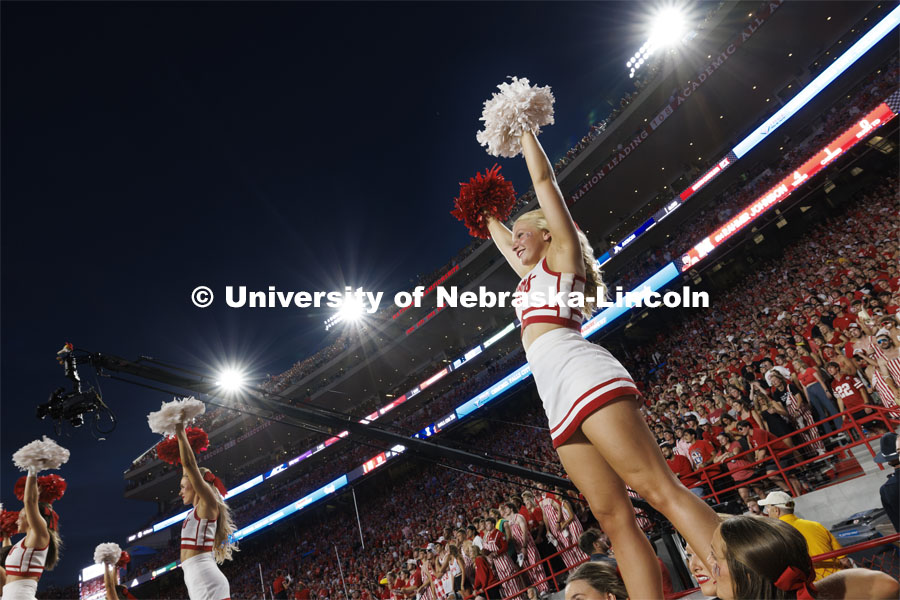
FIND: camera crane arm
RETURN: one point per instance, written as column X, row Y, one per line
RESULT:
column 304, row 416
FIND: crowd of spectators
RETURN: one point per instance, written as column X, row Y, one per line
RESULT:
column 807, row 336
column 750, row 364
column 745, row 366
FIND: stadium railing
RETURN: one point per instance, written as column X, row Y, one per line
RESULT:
column 849, row 423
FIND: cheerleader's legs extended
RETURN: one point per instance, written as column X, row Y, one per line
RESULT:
column 203, row 578
column 612, row 448
column 21, row 589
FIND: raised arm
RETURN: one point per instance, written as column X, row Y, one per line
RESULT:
column 502, row 237
column 109, row 581
column 549, row 196
column 38, row 535
column 192, row 472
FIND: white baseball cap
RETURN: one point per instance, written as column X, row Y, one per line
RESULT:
column 778, row 499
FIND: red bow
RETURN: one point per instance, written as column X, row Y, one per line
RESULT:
column 795, row 580
column 217, row 483
column 48, row 512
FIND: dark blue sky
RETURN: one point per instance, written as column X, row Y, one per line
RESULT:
column 151, row 148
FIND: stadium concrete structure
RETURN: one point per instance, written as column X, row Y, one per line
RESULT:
column 687, row 119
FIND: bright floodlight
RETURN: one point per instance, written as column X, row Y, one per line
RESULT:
column 352, row 309
column 231, row 380
column 668, row 28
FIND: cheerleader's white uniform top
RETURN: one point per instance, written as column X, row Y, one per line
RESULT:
column 573, row 376
column 24, row 562
column 202, row 577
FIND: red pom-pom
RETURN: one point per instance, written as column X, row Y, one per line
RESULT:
column 51, row 488
column 8, row 522
column 124, row 559
column 19, row 489
column 167, row 450
column 485, row 194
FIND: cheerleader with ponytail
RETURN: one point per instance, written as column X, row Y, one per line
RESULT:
column 206, row 531
column 38, row 550
column 112, row 558
column 591, row 401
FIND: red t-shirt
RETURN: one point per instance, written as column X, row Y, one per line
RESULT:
column 847, row 388
column 759, row 437
column 682, row 468
column 808, row 376
column 278, row 585
column 537, row 515
column 700, row 452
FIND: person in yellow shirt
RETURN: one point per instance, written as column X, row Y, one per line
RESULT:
column 779, row 505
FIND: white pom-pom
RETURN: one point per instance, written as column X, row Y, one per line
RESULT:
column 107, row 553
column 171, row 414
column 519, row 107
column 41, row 455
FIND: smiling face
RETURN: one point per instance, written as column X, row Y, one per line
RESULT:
column 529, row 243
column 698, row 570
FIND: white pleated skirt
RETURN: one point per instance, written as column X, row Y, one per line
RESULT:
column 574, row 378
column 21, row 589
column 203, row 578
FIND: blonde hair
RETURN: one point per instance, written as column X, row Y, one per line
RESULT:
column 593, row 286
column 223, row 545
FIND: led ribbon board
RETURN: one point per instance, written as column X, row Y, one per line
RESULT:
column 784, row 188
column 844, row 62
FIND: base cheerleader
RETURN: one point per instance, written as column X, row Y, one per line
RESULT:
column 590, row 400
column 206, row 529
column 37, row 551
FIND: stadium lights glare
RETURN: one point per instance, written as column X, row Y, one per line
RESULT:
column 231, row 380
column 351, row 310
column 668, row 28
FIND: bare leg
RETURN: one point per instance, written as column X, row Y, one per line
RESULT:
column 605, row 492
column 620, row 434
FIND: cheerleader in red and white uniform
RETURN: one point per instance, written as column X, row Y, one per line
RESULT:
column 38, row 551
column 526, row 545
column 206, row 529
column 495, row 546
column 590, row 400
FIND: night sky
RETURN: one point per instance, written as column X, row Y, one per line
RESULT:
column 151, row 148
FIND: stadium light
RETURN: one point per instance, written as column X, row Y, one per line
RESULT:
column 351, row 310
column 231, row 380
column 667, row 29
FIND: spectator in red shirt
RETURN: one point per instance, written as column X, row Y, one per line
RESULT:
column 681, row 466
column 278, row 586
column 850, row 393
column 758, row 439
column 700, row 452
column 818, row 396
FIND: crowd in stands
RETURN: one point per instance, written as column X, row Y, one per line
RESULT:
column 749, row 364
column 809, row 335
column 813, row 331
